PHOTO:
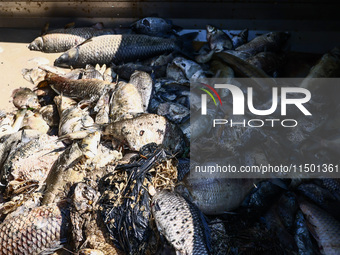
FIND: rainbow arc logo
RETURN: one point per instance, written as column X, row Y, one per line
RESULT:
column 204, row 98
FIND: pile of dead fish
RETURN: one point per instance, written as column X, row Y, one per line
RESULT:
column 96, row 158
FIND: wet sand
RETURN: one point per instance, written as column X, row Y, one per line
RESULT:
column 14, row 56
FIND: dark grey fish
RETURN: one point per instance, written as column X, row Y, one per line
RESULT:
column 240, row 38
column 302, row 236
column 217, row 39
column 109, row 49
column 181, row 222
column 60, row 40
column 273, row 41
column 153, row 26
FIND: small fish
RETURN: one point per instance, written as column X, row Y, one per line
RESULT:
column 190, row 68
column 181, row 222
column 145, row 129
column 273, row 41
column 143, row 82
column 25, row 98
column 153, row 26
column 61, row 40
column 217, row 39
column 126, row 102
column 240, row 38
column 324, row 228
column 41, row 230
column 72, row 117
column 90, row 89
column 116, row 49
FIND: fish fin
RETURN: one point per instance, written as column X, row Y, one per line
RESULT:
column 45, row 28
column 42, row 84
column 184, row 44
column 99, row 25
column 177, row 28
column 86, row 41
column 70, row 25
column 244, row 34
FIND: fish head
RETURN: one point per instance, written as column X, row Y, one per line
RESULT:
column 68, row 58
column 37, row 44
column 84, row 197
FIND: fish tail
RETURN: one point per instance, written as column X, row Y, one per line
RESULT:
column 184, row 44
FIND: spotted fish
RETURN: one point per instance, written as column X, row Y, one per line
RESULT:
column 182, row 224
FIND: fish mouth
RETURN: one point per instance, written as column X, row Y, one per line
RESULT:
column 68, row 58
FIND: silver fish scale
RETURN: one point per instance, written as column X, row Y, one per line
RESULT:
column 118, row 48
column 181, row 223
column 63, row 39
column 39, row 231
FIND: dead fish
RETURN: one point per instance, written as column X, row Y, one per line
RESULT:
column 143, row 82
column 33, row 75
column 109, row 74
column 109, row 49
column 174, row 112
column 153, row 26
column 33, row 160
column 216, row 194
column 8, row 126
column 217, row 39
column 89, row 145
column 60, row 40
column 35, row 121
column 12, row 141
column 50, row 114
column 327, row 67
column 90, row 89
column 324, row 228
column 103, row 109
column 173, row 72
column 88, row 228
column 240, row 54
column 125, row 71
column 182, row 224
column 89, row 72
column 25, row 98
column 126, row 102
column 274, row 224
column 72, row 117
column 240, row 38
column 267, row 61
column 41, row 230
column 247, row 70
column 302, row 237
column 273, row 41
column 145, row 129
column 63, row 175
column 190, row 68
